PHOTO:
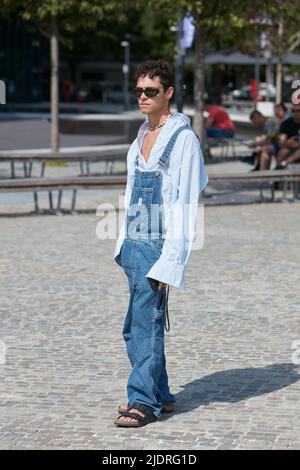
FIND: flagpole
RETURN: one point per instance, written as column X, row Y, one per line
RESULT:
column 179, row 68
column 185, row 36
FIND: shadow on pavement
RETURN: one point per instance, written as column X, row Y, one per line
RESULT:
column 234, row 385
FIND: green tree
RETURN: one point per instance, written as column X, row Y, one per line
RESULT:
column 56, row 19
column 285, row 18
column 225, row 24
column 213, row 19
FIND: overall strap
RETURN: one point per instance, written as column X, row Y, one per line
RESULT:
column 164, row 159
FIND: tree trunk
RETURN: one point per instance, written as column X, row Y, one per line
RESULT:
column 279, row 81
column 54, row 87
column 279, row 65
column 198, row 122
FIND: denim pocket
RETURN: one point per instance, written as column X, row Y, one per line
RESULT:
column 141, row 196
column 158, row 313
column 159, row 309
column 157, row 245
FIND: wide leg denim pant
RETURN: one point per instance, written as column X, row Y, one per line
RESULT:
column 143, row 330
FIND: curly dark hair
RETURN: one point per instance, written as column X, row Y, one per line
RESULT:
column 160, row 68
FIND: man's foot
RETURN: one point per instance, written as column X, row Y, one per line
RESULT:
column 125, row 419
column 281, row 166
column 256, row 168
column 137, row 416
column 168, row 408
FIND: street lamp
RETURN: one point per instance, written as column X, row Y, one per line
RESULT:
column 261, row 20
column 126, row 71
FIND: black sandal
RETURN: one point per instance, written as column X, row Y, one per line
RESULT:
column 168, row 408
column 149, row 417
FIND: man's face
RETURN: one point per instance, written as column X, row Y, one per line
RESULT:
column 157, row 103
column 279, row 112
column 296, row 113
column 258, row 120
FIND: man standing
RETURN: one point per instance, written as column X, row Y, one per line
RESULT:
column 165, row 171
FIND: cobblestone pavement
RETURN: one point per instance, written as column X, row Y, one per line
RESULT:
column 232, row 352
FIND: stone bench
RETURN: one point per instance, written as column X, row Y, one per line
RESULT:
column 107, row 153
column 288, row 176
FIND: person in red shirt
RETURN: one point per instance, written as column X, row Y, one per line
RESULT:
column 218, row 122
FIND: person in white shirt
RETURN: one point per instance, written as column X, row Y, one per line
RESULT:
column 166, row 173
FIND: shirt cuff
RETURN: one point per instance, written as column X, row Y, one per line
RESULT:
column 168, row 272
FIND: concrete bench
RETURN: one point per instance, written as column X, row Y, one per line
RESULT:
column 289, row 177
column 59, row 184
column 107, row 153
column 229, row 144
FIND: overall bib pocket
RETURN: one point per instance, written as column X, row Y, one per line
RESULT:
column 138, row 213
column 141, row 196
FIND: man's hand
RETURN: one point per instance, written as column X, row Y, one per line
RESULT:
column 261, row 140
column 293, row 143
column 161, row 285
column 282, row 139
column 155, row 284
column 251, row 145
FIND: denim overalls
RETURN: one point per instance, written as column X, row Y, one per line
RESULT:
column 143, row 330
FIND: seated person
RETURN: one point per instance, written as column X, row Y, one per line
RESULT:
column 289, row 139
column 264, row 144
column 281, row 112
column 218, row 123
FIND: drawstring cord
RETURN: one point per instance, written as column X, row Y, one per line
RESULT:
column 167, row 320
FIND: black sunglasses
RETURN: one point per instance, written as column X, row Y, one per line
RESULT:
column 295, row 110
column 149, row 92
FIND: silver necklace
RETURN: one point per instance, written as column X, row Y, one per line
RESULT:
column 159, row 125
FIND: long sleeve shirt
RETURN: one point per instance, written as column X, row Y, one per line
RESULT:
column 182, row 182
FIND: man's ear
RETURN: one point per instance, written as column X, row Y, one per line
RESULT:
column 170, row 92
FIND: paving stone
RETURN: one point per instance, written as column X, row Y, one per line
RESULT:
column 229, row 351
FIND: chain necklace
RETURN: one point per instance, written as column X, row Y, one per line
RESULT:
column 159, row 125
